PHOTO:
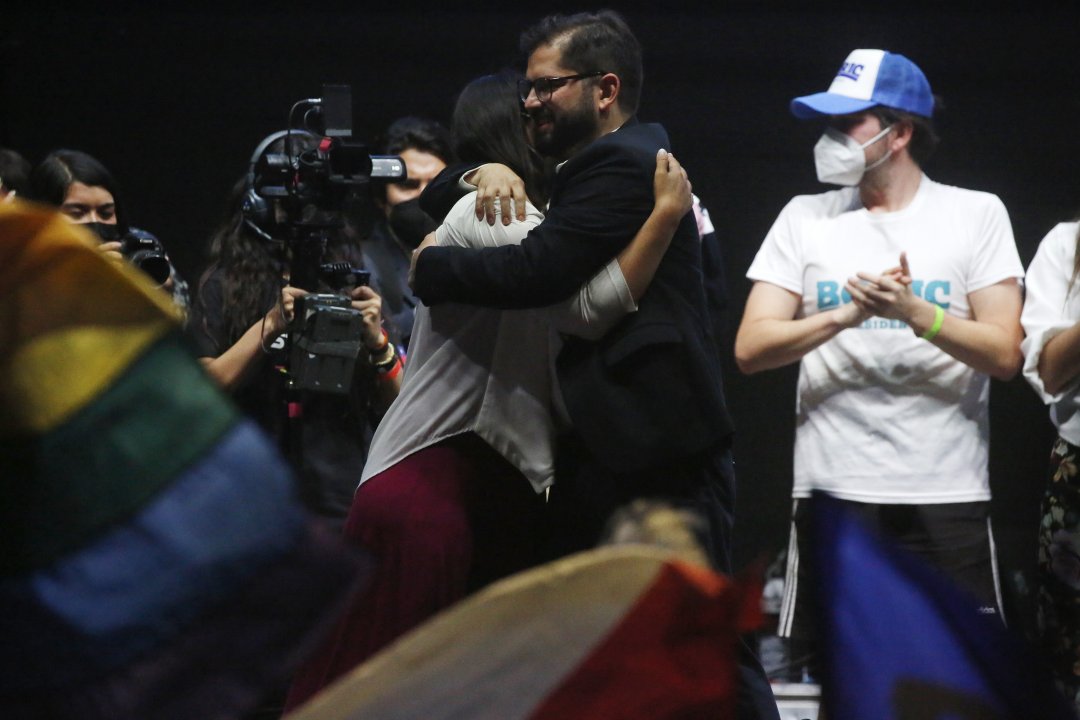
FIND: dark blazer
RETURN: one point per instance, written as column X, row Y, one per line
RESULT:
column 649, row 392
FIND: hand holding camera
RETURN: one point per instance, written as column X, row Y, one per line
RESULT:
column 369, row 304
column 281, row 315
column 140, row 248
column 111, row 250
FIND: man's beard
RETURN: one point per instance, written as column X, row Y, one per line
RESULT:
column 568, row 132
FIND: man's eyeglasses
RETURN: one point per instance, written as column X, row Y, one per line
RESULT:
column 545, row 86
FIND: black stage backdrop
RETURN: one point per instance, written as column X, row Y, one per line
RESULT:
column 173, row 101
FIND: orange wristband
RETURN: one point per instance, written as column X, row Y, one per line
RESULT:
column 393, row 372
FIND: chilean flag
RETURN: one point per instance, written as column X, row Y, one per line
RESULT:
column 625, row 631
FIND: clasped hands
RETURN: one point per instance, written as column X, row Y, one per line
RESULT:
column 888, row 295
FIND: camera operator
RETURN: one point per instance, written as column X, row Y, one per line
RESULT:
column 242, row 312
column 85, row 192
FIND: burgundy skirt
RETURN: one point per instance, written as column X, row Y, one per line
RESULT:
column 441, row 523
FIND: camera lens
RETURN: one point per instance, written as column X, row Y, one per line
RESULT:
column 153, row 264
column 146, row 252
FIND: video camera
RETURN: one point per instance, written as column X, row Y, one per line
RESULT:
column 299, row 197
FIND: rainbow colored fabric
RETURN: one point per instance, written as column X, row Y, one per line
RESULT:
column 154, row 558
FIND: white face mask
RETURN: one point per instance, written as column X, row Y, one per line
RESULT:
column 840, row 160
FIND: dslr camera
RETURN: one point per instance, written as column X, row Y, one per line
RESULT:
column 140, row 248
column 146, row 252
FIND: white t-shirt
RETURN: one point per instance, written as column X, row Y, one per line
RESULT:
column 491, row 371
column 1050, row 308
column 883, row 416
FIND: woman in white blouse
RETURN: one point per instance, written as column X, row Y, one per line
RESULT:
column 1051, row 321
column 452, row 495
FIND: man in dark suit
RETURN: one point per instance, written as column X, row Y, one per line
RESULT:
column 646, row 401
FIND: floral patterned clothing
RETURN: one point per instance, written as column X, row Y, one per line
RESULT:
column 1059, row 569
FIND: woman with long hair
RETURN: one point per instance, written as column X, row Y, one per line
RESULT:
column 1051, row 320
column 452, row 496
column 239, row 321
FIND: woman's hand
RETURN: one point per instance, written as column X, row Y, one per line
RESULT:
column 368, row 302
column 111, row 250
column 279, row 316
column 673, row 200
column 497, row 183
column 671, row 186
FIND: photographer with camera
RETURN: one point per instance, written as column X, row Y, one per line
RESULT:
column 242, row 326
column 86, row 193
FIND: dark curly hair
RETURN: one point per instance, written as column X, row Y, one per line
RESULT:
column 252, row 267
column 251, row 274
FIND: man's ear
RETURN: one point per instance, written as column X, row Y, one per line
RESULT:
column 609, row 85
column 902, row 137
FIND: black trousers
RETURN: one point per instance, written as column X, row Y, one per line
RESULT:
column 954, row 537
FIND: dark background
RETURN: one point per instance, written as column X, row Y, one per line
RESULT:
column 173, row 101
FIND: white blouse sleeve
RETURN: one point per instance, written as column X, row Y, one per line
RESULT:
column 463, row 229
column 1049, row 306
column 599, row 304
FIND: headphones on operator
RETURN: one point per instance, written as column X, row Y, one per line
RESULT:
column 257, row 212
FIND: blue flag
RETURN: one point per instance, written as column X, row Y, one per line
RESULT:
column 901, row 642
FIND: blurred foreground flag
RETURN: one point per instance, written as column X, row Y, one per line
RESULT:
column 901, row 642
column 620, row 633
column 154, row 560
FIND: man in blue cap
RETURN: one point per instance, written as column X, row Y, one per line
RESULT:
column 900, row 298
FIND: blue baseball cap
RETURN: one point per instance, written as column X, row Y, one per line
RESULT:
column 866, row 79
